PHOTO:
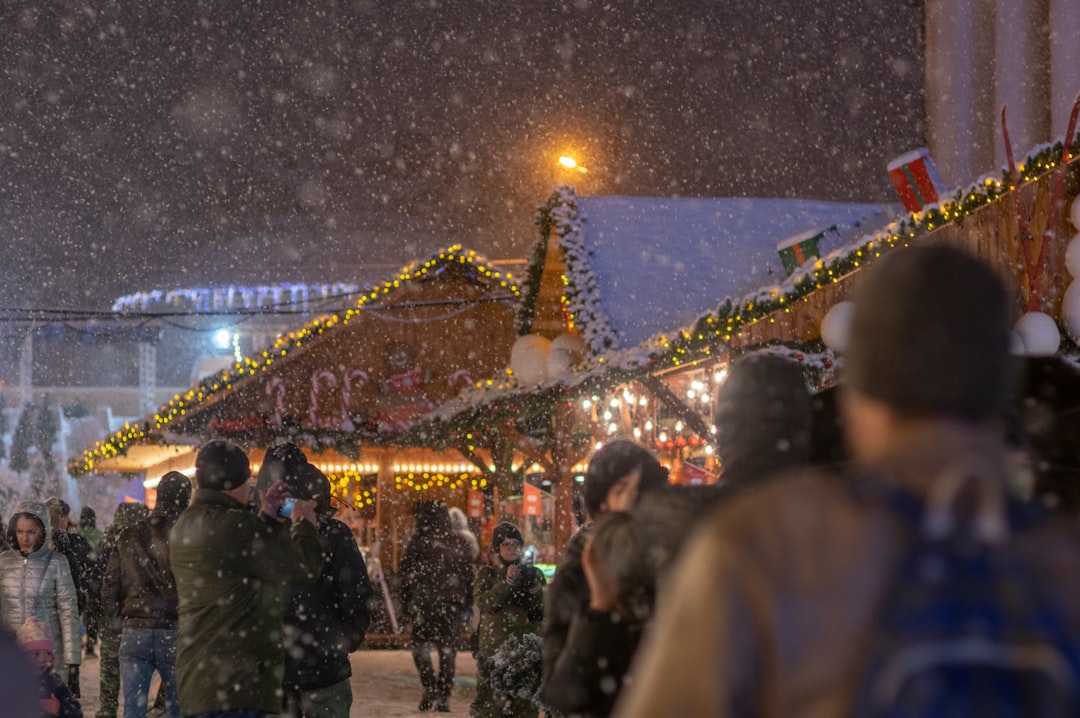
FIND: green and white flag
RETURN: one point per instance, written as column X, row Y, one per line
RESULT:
column 796, row 250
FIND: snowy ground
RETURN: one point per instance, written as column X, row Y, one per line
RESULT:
column 384, row 684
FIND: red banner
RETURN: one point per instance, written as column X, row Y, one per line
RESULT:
column 531, row 500
column 476, row 504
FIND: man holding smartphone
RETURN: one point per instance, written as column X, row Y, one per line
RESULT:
column 230, row 565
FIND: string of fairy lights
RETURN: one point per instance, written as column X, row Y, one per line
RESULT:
column 357, row 483
column 180, row 404
column 708, row 334
column 729, row 318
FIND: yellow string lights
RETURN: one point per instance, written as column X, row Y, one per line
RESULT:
column 179, row 405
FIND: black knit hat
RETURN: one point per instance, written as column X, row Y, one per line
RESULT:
column 283, row 462
column 503, row 532
column 312, row 483
column 221, row 465
column 614, row 461
column 173, row 492
column 930, row 335
column 763, row 416
column 87, row 517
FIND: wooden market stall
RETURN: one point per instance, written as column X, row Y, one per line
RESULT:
column 630, row 310
column 609, row 281
column 346, row 388
column 661, row 293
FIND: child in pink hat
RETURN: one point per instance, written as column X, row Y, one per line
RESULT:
column 56, row 699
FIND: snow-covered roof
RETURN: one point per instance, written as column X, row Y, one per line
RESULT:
column 644, row 266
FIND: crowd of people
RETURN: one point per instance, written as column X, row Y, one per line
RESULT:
column 908, row 570
column 241, row 607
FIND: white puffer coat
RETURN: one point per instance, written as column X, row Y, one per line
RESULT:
column 41, row 585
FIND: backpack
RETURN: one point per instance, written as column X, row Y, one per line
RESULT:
column 964, row 629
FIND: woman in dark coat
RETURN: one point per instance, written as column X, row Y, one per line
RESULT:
column 619, row 474
column 601, row 642
column 436, row 594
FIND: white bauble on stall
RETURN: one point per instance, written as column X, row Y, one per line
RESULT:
column 1074, row 214
column 1039, row 333
column 1016, row 344
column 836, row 326
column 1072, row 256
column 1070, row 311
column 528, row 358
column 566, row 351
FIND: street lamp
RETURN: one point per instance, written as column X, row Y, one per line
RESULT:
column 571, row 164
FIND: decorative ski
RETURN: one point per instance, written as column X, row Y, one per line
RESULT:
column 1018, row 203
column 1055, row 197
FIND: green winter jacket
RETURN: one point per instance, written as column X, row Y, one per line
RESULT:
column 230, row 564
column 506, row 611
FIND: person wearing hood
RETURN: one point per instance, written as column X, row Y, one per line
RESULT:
column 436, row 594
column 35, row 580
column 139, row 595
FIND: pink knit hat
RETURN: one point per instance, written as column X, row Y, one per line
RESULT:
column 34, row 636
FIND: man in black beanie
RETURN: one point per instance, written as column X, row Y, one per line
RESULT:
column 773, row 605
column 139, row 596
column 230, row 564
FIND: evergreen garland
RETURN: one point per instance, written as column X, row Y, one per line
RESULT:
column 582, row 291
column 530, row 285
column 486, row 407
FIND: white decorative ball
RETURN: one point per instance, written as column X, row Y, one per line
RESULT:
column 1039, row 332
column 1070, row 310
column 836, row 326
column 559, row 362
column 1016, row 344
column 1072, row 256
column 571, row 343
column 1075, row 213
column 528, row 359
column 566, row 351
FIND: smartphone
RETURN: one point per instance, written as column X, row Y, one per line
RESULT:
column 287, row 508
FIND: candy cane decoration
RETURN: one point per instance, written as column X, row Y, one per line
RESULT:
column 353, row 377
column 319, row 376
column 275, row 388
column 461, row 376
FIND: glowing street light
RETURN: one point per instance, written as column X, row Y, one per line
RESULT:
column 571, row 164
column 223, row 338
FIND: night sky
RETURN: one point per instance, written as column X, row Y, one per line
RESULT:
column 179, row 143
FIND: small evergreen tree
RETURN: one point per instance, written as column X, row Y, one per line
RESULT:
column 3, row 426
column 44, row 481
column 46, row 430
column 23, row 439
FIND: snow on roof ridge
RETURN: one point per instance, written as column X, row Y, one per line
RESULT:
column 642, row 266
